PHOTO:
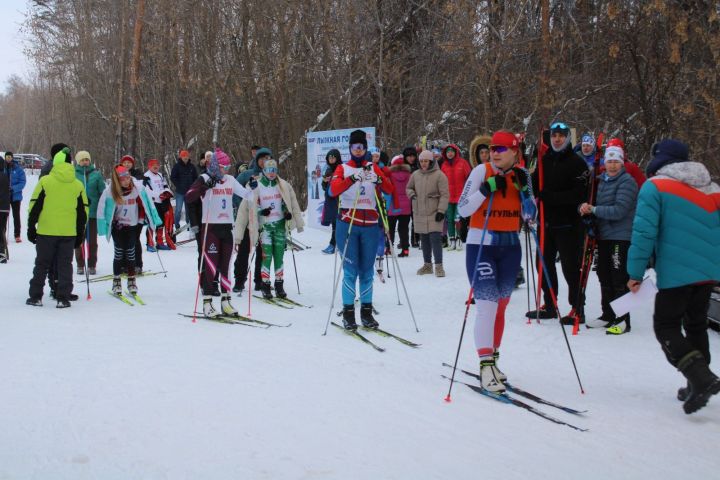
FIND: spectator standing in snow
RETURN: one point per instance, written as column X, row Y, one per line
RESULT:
column 17, row 183
column 182, row 176
column 94, row 185
column 678, row 219
column 330, row 207
column 457, row 170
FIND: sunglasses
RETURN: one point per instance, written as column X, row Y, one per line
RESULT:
column 357, row 146
column 499, row 149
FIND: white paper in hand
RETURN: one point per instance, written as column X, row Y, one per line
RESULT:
column 644, row 298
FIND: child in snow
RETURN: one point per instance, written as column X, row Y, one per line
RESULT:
column 400, row 211
column 158, row 189
column 276, row 210
column 355, row 182
column 121, row 210
column 216, row 189
column 614, row 210
column 330, row 207
column 492, row 274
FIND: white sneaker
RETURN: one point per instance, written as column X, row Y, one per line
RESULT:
column 451, row 244
column 458, row 245
column 488, row 380
column 208, row 309
column 597, row 323
column 226, row 307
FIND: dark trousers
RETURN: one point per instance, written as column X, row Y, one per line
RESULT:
column 402, row 224
column 92, row 247
column 3, row 231
column 332, row 235
column 682, row 308
column 612, row 273
column 432, row 247
column 568, row 241
column 16, row 217
column 218, row 252
column 53, row 253
column 138, row 248
column 124, row 246
column 243, row 258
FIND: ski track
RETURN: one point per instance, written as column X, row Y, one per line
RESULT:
column 104, row 390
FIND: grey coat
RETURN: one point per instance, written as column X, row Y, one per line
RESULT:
column 428, row 191
column 615, row 206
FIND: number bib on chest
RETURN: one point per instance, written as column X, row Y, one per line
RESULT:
column 366, row 198
column 269, row 197
column 126, row 213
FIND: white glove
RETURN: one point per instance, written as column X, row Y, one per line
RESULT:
column 371, row 176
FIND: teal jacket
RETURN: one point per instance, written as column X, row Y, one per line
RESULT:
column 677, row 219
column 94, row 185
column 106, row 211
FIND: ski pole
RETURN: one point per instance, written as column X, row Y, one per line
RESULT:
column 202, row 259
column 398, row 273
column 342, row 258
column 86, row 244
column 555, row 304
column 251, row 265
column 383, row 216
column 297, row 279
column 470, row 295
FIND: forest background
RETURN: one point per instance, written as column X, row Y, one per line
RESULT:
column 150, row 78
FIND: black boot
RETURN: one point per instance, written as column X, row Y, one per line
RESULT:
column 520, row 278
column 266, row 290
column 703, row 382
column 683, row 392
column 348, row 315
column 279, row 290
column 366, row 316
column 545, row 313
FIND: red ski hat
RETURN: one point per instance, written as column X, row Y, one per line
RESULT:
column 616, row 142
column 504, row 139
column 127, row 158
column 184, row 154
column 152, row 162
column 122, row 171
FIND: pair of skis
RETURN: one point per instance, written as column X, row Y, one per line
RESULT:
column 285, row 303
column 509, row 398
column 359, row 336
column 104, row 278
column 125, row 298
column 236, row 319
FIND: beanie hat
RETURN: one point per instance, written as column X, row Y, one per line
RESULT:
column 184, row 154
column 374, row 150
column 127, row 158
column 614, row 154
column 270, row 166
column 213, row 168
column 152, row 162
column 262, row 152
column 358, row 136
column 667, row 152
column 222, row 158
column 122, row 171
column 56, row 148
column 588, row 139
column 504, row 139
column 426, row 155
column 8, row 153
column 82, row 154
column 60, row 153
column 616, row 142
column 398, row 160
column 335, row 153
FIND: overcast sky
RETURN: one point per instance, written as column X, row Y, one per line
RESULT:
column 12, row 59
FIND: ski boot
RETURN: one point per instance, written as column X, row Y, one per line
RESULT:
column 451, row 243
column 426, row 269
column 459, row 245
column 81, row 270
column 545, row 313
column 238, row 288
column 208, row 309
column 348, row 315
column 279, row 290
column 570, row 318
column 131, row 285
column 92, row 271
column 683, row 392
column 404, row 253
column 116, row 285
column 439, row 270
column 329, row 250
column 63, row 303
column 266, row 290
column 488, row 379
column 703, row 382
column 225, row 306
column 619, row 326
column 498, row 373
column 366, row 316
column 34, row 302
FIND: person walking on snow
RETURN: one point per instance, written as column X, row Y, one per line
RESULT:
column 56, row 225
column 17, row 183
column 276, row 209
column 457, row 170
column 120, row 212
column 428, row 192
column 5, row 196
column 158, row 189
column 94, row 185
column 355, row 183
column 678, row 220
column 495, row 271
column 330, row 207
column 216, row 189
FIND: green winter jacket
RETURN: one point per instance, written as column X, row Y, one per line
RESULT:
column 94, row 185
column 59, row 206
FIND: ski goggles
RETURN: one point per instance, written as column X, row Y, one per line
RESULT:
column 559, row 127
column 357, row 146
column 499, row 149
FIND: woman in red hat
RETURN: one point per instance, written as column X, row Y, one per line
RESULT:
column 497, row 198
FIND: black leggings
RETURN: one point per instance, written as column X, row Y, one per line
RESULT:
column 124, row 240
column 402, row 222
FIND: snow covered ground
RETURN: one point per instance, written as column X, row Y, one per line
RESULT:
column 107, row 391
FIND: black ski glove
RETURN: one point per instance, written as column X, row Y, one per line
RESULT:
column 265, row 211
column 32, row 234
column 439, row 216
column 493, row 184
column 288, row 216
column 521, row 178
column 210, row 182
column 252, row 183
